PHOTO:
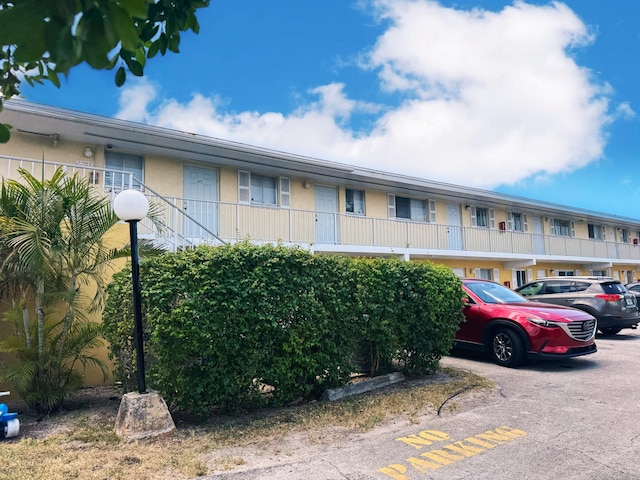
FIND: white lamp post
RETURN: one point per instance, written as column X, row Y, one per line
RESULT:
column 132, row 206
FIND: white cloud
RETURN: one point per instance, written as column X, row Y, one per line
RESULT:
column 625, row 111
column 490, row 98
column 134, row 100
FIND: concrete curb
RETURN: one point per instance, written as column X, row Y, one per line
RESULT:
column 363, row 386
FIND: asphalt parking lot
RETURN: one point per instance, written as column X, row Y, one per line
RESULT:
column 572, row 419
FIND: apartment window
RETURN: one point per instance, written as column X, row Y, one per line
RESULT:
column 259, row 189
column 625, row 235
column 355, row 201
column 565, row 273
column 115, row 163
column 484, row 273
column 562, row 228
column 263, row 190
column 411, row 208
column 482, row 217
column 517, row 221
column 458, row 272
column 597, row 232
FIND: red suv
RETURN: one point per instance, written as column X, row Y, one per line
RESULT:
column 513, row 329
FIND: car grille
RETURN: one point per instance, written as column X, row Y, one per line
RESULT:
column 582, row 330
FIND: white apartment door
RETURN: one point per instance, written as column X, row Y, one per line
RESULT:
column 538, row 236
column 454, row 226
column 200, row 201
column 326, row 214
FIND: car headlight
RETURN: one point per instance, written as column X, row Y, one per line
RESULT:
column 542, row 323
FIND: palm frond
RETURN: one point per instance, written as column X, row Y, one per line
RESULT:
column 53, row 253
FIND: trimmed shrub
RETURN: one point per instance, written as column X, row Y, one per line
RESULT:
column 409, row 314
column 240, row 326
column 227, row 323
column 430, row 305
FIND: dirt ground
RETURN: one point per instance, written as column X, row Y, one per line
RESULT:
column 100, row 402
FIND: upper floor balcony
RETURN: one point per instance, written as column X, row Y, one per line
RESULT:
column 187, row 223
column 345, row 233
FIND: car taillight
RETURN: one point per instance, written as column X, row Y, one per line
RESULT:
column 609, row 297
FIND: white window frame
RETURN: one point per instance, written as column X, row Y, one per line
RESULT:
column 625, row 235
column 432, row 211
column 429, row 208
column 556, row 229
column 490, row 217
column 492, row 274
column 282, row 185
column 565, row 273
column 357, row 205
column 599, row 232
column 285, row 192
column 512, row 223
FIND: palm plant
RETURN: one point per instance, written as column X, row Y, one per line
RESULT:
column 54, row 259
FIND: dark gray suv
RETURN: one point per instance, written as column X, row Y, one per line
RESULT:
column 603, row 297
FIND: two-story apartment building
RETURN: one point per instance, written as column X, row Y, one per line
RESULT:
column 210, row 190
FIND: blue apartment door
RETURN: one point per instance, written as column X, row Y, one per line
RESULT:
column 326, row 211
column 454, row 227
column 200, row 201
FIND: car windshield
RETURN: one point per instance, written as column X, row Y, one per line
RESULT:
column 490, row 292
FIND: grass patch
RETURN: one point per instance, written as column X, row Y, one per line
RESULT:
column 87, row 448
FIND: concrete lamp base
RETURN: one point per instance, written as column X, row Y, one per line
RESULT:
column 143, row 416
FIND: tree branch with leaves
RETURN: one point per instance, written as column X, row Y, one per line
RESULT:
column 41, row 40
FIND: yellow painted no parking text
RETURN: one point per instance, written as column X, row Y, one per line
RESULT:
column 416, row 466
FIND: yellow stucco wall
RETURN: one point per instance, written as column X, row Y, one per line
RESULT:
column 582, row 229
column 302, row 198
column 36, row 147
column 376, row 204
column 228, row 185
column 164, row 175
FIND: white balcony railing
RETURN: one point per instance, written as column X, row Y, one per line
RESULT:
column 183, row 223
column 232, row 222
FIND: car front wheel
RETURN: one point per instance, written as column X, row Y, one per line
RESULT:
column 507, row 349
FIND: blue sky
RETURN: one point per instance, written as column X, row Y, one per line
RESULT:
column 535, row 99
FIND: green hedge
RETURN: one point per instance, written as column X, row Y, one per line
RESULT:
column 241, row 326
column 411, row 312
